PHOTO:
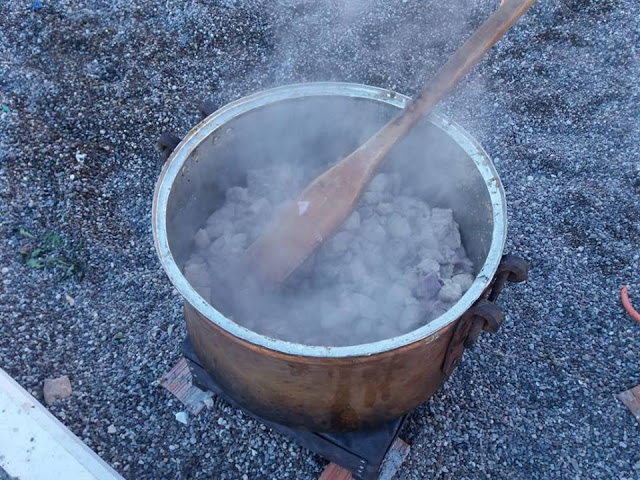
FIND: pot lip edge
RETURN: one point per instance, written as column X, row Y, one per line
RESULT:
column 193, row 138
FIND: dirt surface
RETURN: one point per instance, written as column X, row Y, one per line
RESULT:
column 87, row 87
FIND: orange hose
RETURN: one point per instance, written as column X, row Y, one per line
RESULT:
column 624, row 296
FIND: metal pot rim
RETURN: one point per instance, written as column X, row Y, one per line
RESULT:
column 428, row 332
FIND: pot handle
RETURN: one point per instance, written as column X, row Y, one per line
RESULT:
column 167, row 142
column 484, row 314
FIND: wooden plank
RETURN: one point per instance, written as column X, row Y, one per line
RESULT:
column 631, row 398
column 335, row 472
column 394, row 458
column 179, row 383
column 390, row 466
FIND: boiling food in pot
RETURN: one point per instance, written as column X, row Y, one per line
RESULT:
column 394, row 265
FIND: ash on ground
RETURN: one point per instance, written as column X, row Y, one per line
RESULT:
column 394, row 265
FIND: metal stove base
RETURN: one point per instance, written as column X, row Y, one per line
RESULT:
column 361, row 452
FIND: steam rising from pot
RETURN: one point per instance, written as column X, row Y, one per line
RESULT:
column 397, row 262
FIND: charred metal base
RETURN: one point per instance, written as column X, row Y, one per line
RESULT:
column 361, row 452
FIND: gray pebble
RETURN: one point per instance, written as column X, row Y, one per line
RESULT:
column 446, row 271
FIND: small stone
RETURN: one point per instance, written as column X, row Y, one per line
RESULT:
column 182, row 417
column 111, row 429
column 70, row 300
column 441, row 221
column 5, row 270
column 428, row 286
column 428, row 265
column 446, row 272
column 56, row 388
column 426, row 237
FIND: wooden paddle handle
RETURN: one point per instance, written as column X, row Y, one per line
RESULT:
column 446, row 78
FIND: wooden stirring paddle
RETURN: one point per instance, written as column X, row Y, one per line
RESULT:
column 304, row 223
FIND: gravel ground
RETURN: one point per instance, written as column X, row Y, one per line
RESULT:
column 87, row 87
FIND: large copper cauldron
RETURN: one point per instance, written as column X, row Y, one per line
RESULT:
column 332, row 388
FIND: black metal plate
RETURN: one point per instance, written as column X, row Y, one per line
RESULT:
column 361, row 452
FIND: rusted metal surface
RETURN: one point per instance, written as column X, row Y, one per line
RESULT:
column 511, row 269
column 485, row 316
column 167, row 142
column 206, row 108
column 178, row 382
column 315, row 393
column 455, row 349
column 631, row 399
